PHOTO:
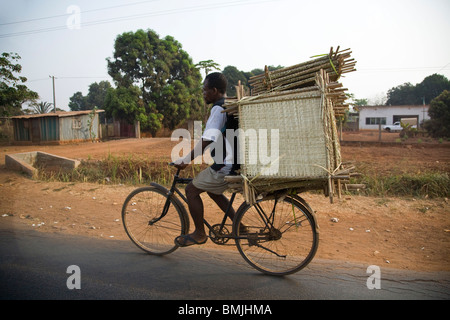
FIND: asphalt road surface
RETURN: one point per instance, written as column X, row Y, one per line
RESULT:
column 35, row 265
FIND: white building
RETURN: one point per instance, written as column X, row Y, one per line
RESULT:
column 371, row 116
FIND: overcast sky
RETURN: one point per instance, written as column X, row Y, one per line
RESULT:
column 394, row 41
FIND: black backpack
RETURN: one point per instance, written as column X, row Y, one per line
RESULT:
column 231, row 124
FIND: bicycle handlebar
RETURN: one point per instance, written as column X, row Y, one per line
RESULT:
column 172, row 164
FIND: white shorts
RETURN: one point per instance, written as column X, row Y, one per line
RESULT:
column 211, row 180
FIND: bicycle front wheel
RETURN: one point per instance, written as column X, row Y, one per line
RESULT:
column 152, row 221
column 276, row 236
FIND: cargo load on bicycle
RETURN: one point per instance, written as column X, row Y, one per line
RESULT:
column 289, row 134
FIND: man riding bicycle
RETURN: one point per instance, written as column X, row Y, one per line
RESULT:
column 210, row 180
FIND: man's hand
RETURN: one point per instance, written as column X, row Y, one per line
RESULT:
column 180, row 163
column 181, row 166
column 198, row 149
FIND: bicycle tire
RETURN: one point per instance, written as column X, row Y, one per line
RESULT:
column 282, row 247
column 140, row 216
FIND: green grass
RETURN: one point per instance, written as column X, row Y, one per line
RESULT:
column 431, row 184
column 120, row 170
column 132, row 170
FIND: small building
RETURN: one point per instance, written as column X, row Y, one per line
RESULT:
column 370, row 117
column 116, row 129
column 57, row 127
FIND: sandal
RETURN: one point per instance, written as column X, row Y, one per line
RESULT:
column 187, row 240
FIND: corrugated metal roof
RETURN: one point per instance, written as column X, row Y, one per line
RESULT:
column 59, row 114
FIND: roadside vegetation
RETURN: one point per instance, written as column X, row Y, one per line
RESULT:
column 423, row 185
column 133, row 170
column 129, row 169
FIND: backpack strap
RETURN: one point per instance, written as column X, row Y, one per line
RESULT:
column 233, row 124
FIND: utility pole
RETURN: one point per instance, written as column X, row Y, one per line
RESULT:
column 54, row 101
column 423, row 111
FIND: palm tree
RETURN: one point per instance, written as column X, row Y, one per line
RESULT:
column 207, row 66
column 42, row 107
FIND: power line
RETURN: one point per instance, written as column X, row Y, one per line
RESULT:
column 444, row 67
column 85, row 77
column 140, row 16
column 372, row 69
column 77, row 77
column 85, row 11
column 34, row 80
column 401, row 69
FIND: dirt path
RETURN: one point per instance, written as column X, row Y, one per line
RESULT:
column 399, row 233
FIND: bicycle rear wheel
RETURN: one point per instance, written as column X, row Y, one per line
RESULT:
column 146, row 224
column 276, row 236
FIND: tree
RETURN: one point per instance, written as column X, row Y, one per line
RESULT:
column 424, row 92
column 126, row 103
column 13, row 92
column 97, row 94
column 78, row 102
column 42, row 107
column 95, row 97
column 404, row 94
column 431, row 87
column 259, row 71
column 207, row 66
column 233, row 76
column 439, row 124
column 170, row 84
column 361, row 102
column 356, row 102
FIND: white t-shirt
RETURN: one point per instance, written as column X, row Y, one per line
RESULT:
column 215, row 124
column 214, row 129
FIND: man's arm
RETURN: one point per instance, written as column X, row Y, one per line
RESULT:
column 199, row 148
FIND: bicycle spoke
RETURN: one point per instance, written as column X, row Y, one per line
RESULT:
column 147, row 225
column 279, row 240
column 271, row 251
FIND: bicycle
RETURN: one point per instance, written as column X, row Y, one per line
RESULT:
column 277, row 235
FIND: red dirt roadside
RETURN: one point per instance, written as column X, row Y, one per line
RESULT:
column 402, row 233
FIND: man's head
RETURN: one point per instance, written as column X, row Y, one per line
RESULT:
column 214, row 87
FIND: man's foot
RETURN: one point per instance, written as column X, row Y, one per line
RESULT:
column 187, row 240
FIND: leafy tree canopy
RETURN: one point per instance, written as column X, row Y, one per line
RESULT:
column 234, row 75
column 42, row 107
column 170, row 84
column 427, row 90
column 95, row 97
column 439, row 124
column 126, row 103
column 208, row 66
column 13, row 92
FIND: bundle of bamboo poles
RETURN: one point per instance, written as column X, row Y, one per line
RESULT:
column 302, row 78
column 315, row 79
column 302, row 75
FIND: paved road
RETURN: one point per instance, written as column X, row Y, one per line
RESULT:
column 34, row 266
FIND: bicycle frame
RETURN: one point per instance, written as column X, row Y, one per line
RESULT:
column 255, row 225
column 174, row 190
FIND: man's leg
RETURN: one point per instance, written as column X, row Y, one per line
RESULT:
column 195, row 205
column 223, row 204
